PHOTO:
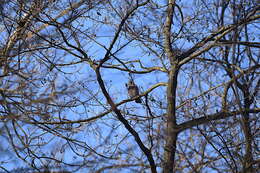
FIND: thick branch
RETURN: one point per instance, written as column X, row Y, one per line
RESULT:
column 216, row 116
column 120, row 117
column 171, row 135
column 167, row 31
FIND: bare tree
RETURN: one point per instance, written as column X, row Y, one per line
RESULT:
column 64, row 104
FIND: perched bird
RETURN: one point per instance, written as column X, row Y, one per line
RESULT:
column 133, row 91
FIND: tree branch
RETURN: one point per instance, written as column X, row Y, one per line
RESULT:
column 211, row 117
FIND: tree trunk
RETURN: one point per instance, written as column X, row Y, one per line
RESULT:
column 171, row 132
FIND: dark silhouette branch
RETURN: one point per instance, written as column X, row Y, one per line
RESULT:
column 212, row 117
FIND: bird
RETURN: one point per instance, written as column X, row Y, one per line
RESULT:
column 133, row 91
